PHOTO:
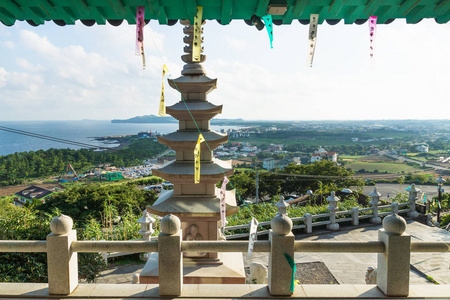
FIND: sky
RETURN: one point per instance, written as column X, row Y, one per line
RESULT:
column 77, row 72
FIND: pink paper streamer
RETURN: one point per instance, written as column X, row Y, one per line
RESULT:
column 223, row 209
column 372, row 28
column 140, row 12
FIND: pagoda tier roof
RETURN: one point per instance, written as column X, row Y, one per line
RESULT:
column 91, row 12
column 193, row 206
column 200, row 110
column 186, row 140
column 183, row 172
column 193, row 84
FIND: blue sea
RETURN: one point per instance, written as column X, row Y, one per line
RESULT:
column 84, row 131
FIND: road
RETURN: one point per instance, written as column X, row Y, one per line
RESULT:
column 394, row 188
column 401, row 158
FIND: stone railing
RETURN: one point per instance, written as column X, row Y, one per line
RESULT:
column 393, row 247
column 307, row 222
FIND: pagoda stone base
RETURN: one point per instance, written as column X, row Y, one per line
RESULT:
column 230, row 271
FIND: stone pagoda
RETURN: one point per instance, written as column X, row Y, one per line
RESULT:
column 197, row 205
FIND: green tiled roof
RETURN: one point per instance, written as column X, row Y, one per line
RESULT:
column 62, row 12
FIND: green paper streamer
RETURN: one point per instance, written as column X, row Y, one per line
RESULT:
column 425, row 198
column 292, row 264
column 269, row 26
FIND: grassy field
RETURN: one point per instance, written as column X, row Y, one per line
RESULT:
column 391, row 168
column 351, row 157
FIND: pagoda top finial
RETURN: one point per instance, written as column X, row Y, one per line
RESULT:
column 192, row 67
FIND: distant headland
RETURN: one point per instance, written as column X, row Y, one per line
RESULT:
column 157, row 119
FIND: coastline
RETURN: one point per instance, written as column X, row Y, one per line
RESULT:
column 123, row 140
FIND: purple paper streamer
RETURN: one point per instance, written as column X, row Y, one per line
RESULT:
column 372, row 29
column 140, row 12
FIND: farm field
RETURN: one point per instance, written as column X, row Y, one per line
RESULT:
column 373, row 163
column 381, row 167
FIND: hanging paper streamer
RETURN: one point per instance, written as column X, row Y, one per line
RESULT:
column 140, row 23
column 252, row 237
column 269, row 26
column 294, row 269
column 197, row 158
column 372, row 28
column 162, row 104
column 197, row 43
column 313, row 23
column 223, row 206
column 425, row 198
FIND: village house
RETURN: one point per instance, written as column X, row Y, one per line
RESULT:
column 322, row 154
column 32, row 192
column 422, row 148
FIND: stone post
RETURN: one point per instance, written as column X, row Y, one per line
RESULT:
column 332, row 201
column 375, row 201
column 62, row 263
column 281, row 245
column 393, row 264
column 412, row 201
column 394, row 207
column 308, row 222
column 355, row 216
column 170, row 257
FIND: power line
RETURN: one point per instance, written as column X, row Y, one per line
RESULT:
column 54, row 139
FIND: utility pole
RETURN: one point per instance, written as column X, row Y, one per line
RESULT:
column 257, row 184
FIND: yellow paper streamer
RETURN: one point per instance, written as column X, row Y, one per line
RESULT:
column 197, row 158
column 197, row 44
column 162, row 105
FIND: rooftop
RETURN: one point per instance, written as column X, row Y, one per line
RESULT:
column 62, row 12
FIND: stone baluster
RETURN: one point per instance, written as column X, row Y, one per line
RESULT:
column 413, row 191
column 170, row 257
column 308, row 222
column 375, row 202
column 393, row 264
column 281, row 244
column 332, row 201
column 355, row 216
column 62, row 263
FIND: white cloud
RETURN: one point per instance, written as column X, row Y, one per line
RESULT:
column 25, row 64
column 77, row 72
column 9, row 44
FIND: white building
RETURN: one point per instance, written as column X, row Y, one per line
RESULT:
column 268, row 163
column 323, row 154
column 422, row 148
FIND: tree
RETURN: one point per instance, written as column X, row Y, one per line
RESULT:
column 18, row 223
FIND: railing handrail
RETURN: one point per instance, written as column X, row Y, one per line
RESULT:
column 348, row 247
column 221, row 246
column 394, row 207
column 115, row 246
column 22, row 246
